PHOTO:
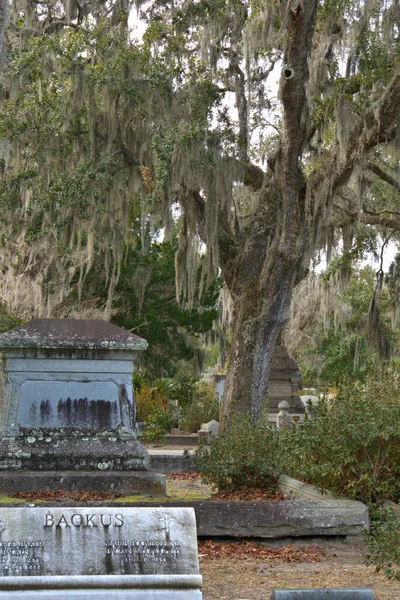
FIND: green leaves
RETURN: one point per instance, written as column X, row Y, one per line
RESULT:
column 383, row 543
column 244, row 454
column 351, row 447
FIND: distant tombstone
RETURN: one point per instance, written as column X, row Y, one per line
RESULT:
column 284, row 383
column 68, row 406
column 211, row 427
column 98, row 553
column 323, row 594
column 283, row 419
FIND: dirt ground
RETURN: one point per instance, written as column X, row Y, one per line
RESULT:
column 341, row 565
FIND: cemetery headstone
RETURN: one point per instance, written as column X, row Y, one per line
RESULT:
column 68, row 412
column 323, row 594
column 98, row 552
column 211, row 427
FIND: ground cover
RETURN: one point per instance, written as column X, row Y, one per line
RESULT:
column 230, row 574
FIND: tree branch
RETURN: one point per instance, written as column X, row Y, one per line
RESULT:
column 380, row 220
column 376, row 170
column 379, row 126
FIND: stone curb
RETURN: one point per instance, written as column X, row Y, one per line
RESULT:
column 277, row 519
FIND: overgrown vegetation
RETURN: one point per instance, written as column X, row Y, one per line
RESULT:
column 203, row 407
column 182, row 402
column 244, row 454
column 329, row 331
column 351, row 447
column 383, row 543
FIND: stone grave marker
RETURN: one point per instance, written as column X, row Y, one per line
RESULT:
column 98, row 553
column 323, row 594
column 68, row 416
column 211, row 427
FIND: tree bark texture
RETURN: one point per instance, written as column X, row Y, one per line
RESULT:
column 262, row 269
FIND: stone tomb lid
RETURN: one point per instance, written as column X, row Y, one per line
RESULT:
column 71, row 333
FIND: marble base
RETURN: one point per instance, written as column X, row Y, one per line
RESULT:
column 144, row 483
column 103, row 587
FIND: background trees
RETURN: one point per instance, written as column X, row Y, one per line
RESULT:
column 101, row 131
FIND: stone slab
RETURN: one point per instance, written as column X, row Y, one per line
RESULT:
column 98, row 594
column 98, row 552
column 323, row 594
column 164, row 463
column 144, row 483
column 182, row 440
column 116, row 363
column 72, row 404
column 293, row 489
column 91, row 541
column 156, row 587
column 286, row 518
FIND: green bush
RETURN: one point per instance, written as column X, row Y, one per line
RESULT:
column 244, row 454
column 383, row 543
column 149, row 400
column 158, row 423
column 202, row 408
column 184, row 390
column 352, row 446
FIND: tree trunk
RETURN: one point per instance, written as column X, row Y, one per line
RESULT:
column 262, row 268
column 261, row 282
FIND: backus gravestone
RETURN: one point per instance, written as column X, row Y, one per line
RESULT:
column 102, row 553
column 68, row 413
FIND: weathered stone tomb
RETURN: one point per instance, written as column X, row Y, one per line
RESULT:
column 68, row 412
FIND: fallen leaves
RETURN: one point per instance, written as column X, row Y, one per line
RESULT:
column 244, row 493
column 63, row 495
column 246, row 550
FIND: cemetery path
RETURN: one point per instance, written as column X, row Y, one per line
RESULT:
column 252, row 578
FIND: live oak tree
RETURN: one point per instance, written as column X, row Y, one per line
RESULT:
column 97, row 127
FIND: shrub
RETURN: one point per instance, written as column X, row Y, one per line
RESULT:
column 202, row 408
column 148, row 400
column 184, row 390
column 352, row 446
column 244, row 454
column 165, row 386
column 383, row 543
column 158, row 423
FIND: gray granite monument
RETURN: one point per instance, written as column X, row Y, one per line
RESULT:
column 68, row 414
column 98, row 553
